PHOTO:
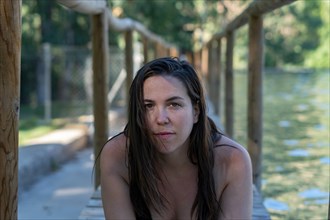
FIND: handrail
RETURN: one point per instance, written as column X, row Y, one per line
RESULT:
column 257, row 7
column 119, row 24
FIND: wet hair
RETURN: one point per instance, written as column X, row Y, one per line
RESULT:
column 142, row 161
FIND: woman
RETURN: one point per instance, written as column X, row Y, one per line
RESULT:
column 171, row 162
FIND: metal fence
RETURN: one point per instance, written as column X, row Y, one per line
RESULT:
column 63, row 85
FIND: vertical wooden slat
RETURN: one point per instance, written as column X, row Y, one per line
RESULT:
column 145, row 50
column 128, row 60
column 214, row 77
column 10, row 67
column 210, row 72
column 198, row 61
column 100, row 86
column 229, row 85
column 255, row 108
column 47, row 60
column 204, row 59
column 219, row 74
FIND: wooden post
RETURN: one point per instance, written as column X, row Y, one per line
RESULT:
column 218, row 64
column 255, row 108
column 128, row 60
column 10, row 67
column 229, row 85
column 158, row 50
column 204, row 58
column 47, row 60
column 100, row 86
column 198, row 62
column 214, row 77
column 210, row 72
column 145, row 50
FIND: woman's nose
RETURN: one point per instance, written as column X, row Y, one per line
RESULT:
column 162, row 116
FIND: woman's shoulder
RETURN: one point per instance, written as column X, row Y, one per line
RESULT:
column 230, row 153
column 113, row 155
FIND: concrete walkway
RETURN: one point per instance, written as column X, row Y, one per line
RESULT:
column 61, row 194
column 56, row 171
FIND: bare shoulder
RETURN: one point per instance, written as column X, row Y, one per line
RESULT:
column 113, row 156
column 226, row 147
column 231, row 155
column 233, row 179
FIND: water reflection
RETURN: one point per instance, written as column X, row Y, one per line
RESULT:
column 298, row 153
column 295, row 142
column 325, row 160
column 275, row 205
column 313, row 193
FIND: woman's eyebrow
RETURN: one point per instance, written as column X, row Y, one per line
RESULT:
column 173, row 98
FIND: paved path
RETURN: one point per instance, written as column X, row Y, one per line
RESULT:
column 62, row 194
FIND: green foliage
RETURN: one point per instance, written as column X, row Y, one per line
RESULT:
column 46, row 21
column 293, row 31
column 170, row 18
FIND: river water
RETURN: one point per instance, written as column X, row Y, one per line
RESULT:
column 296, row 157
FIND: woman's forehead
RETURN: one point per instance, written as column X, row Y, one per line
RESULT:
column 163, row 85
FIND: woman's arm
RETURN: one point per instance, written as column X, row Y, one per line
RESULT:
column 236, row 199
column 114, row 185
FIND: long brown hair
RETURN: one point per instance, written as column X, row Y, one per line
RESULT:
column 142, row 159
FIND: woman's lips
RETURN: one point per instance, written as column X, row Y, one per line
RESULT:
column 164, row 135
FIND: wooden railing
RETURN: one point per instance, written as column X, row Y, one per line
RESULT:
column 210, row 55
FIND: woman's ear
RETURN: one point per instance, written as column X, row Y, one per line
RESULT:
column 196, row 113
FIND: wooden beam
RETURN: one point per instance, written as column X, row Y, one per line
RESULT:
column 94, row 7
column 217, row 108
column 257, row 7
column 10, row 67
column 125, row 24
column 255, row 109
column 229, row 85
column 87, row 7
column 129, row 61
column 100, row 86
column 145, row 50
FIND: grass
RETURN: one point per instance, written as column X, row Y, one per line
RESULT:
column 33, row 127
column 31, row 124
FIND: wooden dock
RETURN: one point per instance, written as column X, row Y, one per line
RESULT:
column 94, row 208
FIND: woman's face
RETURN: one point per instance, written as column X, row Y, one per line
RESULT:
column 169, row 112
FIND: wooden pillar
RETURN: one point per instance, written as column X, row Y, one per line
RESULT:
column 145, row 50
column 214, row 77
column 204, row 59
column 168, row 51
column 219, row 73
column 174, row 52
column 229, row 85
column 255, row 95
column 210, row 71
column 158, row 50
column 10, row 67
column 100, row 86
column 47, row 61
column 128, row 60
column 198, row 61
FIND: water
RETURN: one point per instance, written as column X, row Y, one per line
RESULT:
column 296, row 167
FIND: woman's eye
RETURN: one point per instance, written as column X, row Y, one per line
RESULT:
column 148, row 105
column 175, row 105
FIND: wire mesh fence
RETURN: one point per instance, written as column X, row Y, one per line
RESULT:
column 70, row 85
